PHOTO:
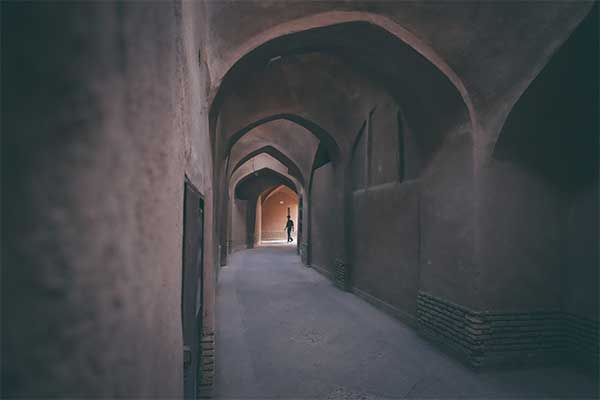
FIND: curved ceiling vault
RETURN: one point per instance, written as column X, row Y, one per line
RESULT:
column 222, row 69
column 321, row 76
column 288, row 142
column 563, row 146
column 279, row 189
column 265, row 116
column 292, row 169
column 261, row 162
column 256, row 183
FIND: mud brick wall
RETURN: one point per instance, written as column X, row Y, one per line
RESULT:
column 491, row 339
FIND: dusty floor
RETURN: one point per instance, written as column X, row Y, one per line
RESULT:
column 284, row 331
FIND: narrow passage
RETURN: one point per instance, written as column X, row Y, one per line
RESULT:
column 284, row 331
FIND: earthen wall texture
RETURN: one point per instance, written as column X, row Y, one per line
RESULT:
column 102, row 119
column 239, row 228
column 323, row 227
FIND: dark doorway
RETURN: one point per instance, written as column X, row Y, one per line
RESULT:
column 191, row 293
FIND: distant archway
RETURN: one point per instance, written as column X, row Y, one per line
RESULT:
column 276, row 206
column 325, row 138
column 278, row 155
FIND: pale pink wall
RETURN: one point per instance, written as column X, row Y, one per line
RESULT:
column 258, row 223
column 274, row 214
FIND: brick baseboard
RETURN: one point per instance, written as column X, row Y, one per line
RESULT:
column 207, row 374
column 342, row 275
column 582, row 341
column 493, row 339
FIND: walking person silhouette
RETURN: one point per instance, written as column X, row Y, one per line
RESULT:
column 289, row 227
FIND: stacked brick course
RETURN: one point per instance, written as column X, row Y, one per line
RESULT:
column 341, row 275
column 582, row 340
column 207, row 373
column 456, row 327
column 489, row 338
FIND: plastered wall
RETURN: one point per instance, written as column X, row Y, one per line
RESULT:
column 324, row 231
column 239, row 228
column 580, row 258
column 102, row 119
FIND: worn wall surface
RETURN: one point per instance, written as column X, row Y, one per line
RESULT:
column 239, row 234
column 580, row 275
column 521, row 246
column 103, row 115
column 392, row 276
column 412, row 218
column 541, row 180
column 324, row 231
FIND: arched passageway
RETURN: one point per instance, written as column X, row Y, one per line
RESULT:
column 396, row 195
column 249, row 192
column 439, row 161
column 353, row 92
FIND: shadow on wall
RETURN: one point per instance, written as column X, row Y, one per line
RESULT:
column 553, row 129
column 543, row 235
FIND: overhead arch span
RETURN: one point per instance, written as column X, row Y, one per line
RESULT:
column 261, row 180
column 276, row 154
column 225, row 69
column 552, row 128
column 268, row 193
column 324, row 136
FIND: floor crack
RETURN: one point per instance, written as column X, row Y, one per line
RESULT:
column 413, row 387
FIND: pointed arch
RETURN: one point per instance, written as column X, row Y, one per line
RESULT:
column 224, row 70
column 324, row 136
column 276, row 154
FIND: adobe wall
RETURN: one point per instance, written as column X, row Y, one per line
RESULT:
column 538, row 208
column 581, row 264
column 412, row 212
column 324, row 230
column 239, row 239
column 521, row 241
column 103, row 117
column 386, row 246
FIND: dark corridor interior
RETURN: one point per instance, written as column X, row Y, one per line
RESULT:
column 438, row 160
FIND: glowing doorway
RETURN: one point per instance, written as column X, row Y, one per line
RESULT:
column 276, row 205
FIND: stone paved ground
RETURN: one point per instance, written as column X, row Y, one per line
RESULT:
column 284, row 331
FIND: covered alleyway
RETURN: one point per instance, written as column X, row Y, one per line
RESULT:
column 284, row 331
column 433, row 165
